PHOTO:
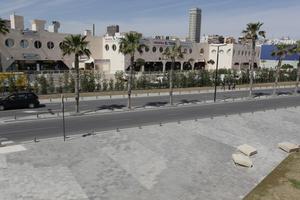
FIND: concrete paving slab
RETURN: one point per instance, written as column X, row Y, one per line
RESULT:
column 188, row 160
column 12, row 149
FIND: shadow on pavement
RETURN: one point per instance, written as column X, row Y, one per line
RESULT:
column 111, row 107
column 259, row 94
column 156, row 104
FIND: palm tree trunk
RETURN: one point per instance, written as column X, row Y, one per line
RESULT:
column 251, row 68
column 77, row 83
column 297, row 79
column 130, row 81
column 171, row 81
column 277, row 77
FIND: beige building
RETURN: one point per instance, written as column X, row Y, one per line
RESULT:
column 39, row 49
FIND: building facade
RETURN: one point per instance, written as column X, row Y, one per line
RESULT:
column 37, row 48
column 195, row 24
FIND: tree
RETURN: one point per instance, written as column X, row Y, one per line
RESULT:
column 281, row 51
column 129, row 45
column 253, row 32
column 172, row 54
column 296, row 49
column 43, row 84
column 3, row 28
column 77, row 45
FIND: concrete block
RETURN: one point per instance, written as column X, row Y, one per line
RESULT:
column 6, row 143
column 242, row 160
column 289, row 147
column 247, row 149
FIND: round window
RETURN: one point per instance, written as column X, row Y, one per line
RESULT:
column 147, row 49
column 107, row 47
column 37, row 44
column 24, row 44
column 9, row 43
column 61, row 45
column 114, row 47
column 50, row 45
column 161, row 49
column 154, row 49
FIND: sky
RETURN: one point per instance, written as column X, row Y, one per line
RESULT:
column 162, row 17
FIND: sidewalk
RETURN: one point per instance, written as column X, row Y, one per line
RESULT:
column 165, row 93
column 188, row 160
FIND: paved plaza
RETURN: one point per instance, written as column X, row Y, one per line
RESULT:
column 189, row 160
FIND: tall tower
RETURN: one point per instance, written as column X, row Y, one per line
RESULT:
column 195, row 24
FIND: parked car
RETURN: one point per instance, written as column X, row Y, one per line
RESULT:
column 19, row 100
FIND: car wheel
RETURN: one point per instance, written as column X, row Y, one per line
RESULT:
column 31, row 105
column 2, row 107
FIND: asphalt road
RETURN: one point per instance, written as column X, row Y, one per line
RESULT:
column 93, row 105
column 83, row 124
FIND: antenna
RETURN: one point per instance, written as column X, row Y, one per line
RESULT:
column 94, row 29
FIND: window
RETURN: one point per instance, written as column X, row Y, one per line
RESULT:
column 154, row 49
column 61, row 45
column 147, row 49
column 107, row 47
column 24, row 44
column 191, row 51
column 50, row 45
column 161, row 49
column 242, row 53
column 37, row 44
column 9, row 43
column 114, row 47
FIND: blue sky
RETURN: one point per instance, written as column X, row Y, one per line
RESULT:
column 162, row 17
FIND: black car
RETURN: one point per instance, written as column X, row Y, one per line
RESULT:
column 19, row 100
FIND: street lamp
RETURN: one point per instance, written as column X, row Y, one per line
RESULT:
column 217, row 66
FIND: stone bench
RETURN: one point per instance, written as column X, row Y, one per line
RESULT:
column 247, row 149
column 242, row 160
column 288, row 147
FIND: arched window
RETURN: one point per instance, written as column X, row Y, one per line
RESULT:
column 201, row 51
column 161, row 49
column 191, row 51
column 107, row 47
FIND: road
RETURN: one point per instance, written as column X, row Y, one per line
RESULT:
column 93, row 105
column 83, row 124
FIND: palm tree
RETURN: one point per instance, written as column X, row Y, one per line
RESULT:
column 172, row 54
column 253, row 32
column 296, row 49
column 282, row 50
column 129, row 45
column 77, row 45
column 3, row 28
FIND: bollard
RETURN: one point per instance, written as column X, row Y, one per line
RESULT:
column 35, row 140
column 37, row 115
column 118, row 130
column 50, row 99
column 110, row 96
column 97, row 97
column 160, row 124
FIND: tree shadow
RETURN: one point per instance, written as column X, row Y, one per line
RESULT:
column 111, row 107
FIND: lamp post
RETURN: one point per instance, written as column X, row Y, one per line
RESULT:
column 217, row 66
